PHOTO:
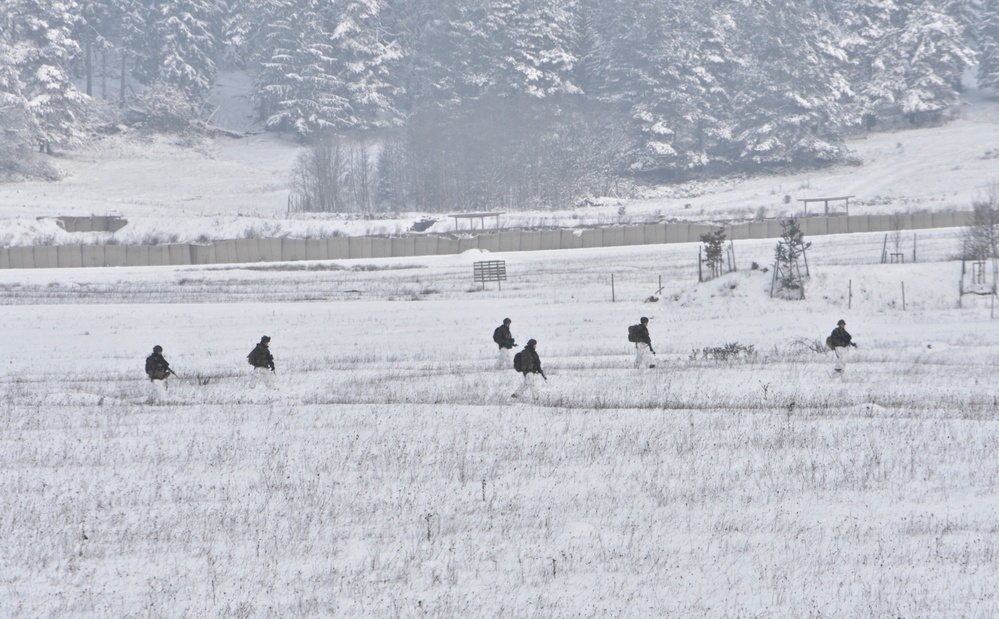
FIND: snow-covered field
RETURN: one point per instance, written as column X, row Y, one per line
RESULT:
column 391, row 474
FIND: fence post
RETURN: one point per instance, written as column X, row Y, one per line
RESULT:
column 612, row 288
column 849, row 298
column 903, row 296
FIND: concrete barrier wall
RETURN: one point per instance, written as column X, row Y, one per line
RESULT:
column 203, row 254
column 593, row 237
column 381, row 248
column 46, row 257
column 180, row 253
column 343, row 248
column 69, row 256
column 115, row 256
column 337, row 247
column 857, row 224
column 876, row 223
column 571, row 240
column 427, row 245
column 92, row 255
column 316, row 249
column 293, row 249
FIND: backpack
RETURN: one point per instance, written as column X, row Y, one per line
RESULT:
column 496, row 335
column 829, row 343
column 250, row 358
column 633, row 333
column 518, row 361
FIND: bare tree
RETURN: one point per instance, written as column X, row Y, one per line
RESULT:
column 318, row 179
column 979, row 238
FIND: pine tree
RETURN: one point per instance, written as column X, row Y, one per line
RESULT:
column 41, row 33
column 936, row 53
column 536, row 58
column 787, row 92
column 365, row 61
column 988, row 37
column 907, row 57
column 15, row 121
column 684, row 116
column 328, row 68
column 431, row 52
column 187, row 33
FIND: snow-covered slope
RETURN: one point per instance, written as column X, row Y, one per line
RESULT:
column 190, row 190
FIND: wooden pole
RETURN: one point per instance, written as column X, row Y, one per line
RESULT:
column 612, row 288
column 700, row 274
column 913, row 246
column 849, row 298
column 903, row 296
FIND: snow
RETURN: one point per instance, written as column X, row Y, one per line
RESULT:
column 236, row 188
column 390, row 474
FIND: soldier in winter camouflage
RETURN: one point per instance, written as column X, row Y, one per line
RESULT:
column 643, row 344
column 263, row 364
column 530, row 367
column 158, row 370
column 840, row 341
column 503, row 339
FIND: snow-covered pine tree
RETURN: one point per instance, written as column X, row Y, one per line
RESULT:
column 786, row 94
column 907, row 56
column 15, row 122
column 329, row 67
column 935, row 54
column 431, row 51
column 187, row 32
column 988, row 40
column 686, row 112
column 296, row 89
column 365, row 59
column 535, row 58
column 40, row 35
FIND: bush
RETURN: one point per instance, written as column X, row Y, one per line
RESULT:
column 728, row 352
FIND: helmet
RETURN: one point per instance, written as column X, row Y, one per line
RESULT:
column 157, row 348
column 265, row 339
column 644, row 319
column 507, row 321
column 841, row 322
column 532, row 342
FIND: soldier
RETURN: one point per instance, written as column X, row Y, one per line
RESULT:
column 263, row 364
column 530, row 366
column 840, row 341
column 639, row 334
column 158, row 370
column 504, row 340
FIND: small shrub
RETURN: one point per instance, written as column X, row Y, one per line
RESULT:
column 812, row 345
column 728, row 352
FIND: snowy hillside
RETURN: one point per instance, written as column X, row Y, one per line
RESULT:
column 174, row 191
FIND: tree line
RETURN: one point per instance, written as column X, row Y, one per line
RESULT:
column 514, row 102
